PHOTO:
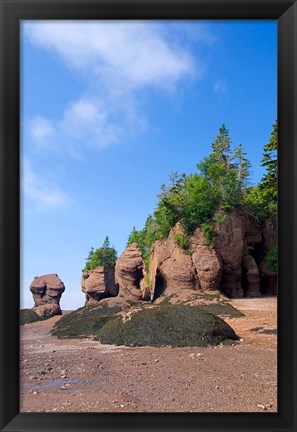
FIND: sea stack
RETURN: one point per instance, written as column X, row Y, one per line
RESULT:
column 47, row 291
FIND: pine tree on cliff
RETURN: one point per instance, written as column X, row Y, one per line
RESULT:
column 221, row 147
column 105, row 256
column 89, row 259
column 268, row 185
column 243, row 166
column 269, row 161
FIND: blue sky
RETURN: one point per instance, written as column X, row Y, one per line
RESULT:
column 110, row 109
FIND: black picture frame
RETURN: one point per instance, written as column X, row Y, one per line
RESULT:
column 12, row 12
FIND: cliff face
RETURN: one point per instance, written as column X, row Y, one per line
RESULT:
column 233, row 265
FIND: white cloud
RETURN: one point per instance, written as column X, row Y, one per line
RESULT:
column 125, row 54
column 117, row 61
column 41, row 192
column 85, row 123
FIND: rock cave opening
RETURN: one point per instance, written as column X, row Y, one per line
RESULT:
column 160, row 286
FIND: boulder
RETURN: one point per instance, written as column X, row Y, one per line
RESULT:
column 47, row 291
column 99, row 283
column 129, row 273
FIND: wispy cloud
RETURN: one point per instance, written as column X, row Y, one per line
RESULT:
column 42, row 192
column 117, row 60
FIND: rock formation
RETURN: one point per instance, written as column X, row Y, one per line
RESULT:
column 233, row 264
column 129, row 274
column 47, row 291
column 170, row 268
column 207, row 262
column 237, row 236
column 99, row 283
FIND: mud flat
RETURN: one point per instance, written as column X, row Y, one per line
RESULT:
column 82, row 375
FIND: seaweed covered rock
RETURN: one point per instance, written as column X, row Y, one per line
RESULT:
column 129, row 273
column 28, row 316
column 88, row 320
column 47, row 291
column 174, row 325
column 99, row 283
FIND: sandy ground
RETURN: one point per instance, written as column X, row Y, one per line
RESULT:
column 85, row 376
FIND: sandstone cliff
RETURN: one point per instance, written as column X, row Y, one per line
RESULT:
column 231, row 264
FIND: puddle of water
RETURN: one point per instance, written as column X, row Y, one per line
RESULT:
column 57, row 383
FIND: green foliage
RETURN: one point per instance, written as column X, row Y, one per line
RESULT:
column 174, row 325
column 257, row 204
column 182, row 240
column 271, row 258
column 105, row 256
column 147, row 279
column 209, row 233
column 261, row 200
column 145, row 238
column 202, row 200
column 218, row 217
column 171, row 204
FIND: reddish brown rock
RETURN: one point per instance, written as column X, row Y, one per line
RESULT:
column 269, row 233
column 47, row 291
column 251, row 276
column 99, row 283
column 236, row 234
column 269, row 280
column 207, row 262
column 129, row 273
column 171, row 270
column 48, row 310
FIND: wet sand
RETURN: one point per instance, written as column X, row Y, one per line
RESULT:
column 81, row 375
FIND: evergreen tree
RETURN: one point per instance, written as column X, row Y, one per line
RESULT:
column 262, row 199
column 269, row 161
column 243, row 165
column 105, row 256
column 221, row 147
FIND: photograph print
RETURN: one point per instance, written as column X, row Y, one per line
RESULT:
column 149, row 246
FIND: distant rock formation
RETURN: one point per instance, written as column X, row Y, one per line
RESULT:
column 129, row 275
column 99, row 283
column 47, row 291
